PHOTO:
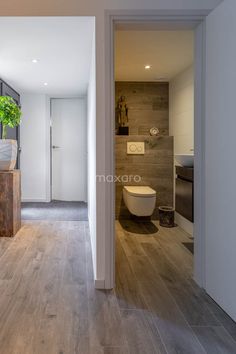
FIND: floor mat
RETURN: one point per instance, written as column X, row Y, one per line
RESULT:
column 55, row 210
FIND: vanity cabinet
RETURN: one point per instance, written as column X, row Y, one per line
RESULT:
column 12, row 133
column 184, row 192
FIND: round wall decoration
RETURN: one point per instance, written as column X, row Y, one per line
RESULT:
column 154, row 131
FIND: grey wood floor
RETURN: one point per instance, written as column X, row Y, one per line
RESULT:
column 55, row 210
column 48, row 303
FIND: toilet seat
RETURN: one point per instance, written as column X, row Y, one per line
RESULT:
column 140, row 191
column 140, row 200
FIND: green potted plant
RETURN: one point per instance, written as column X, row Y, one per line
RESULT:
column 10, row 114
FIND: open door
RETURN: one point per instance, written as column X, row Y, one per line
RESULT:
column 220, row 192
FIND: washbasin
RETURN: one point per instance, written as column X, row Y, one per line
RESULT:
column 185, row 160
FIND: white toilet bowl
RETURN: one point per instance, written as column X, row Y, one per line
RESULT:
column 140, row 200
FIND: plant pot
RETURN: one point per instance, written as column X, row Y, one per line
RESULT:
column 8, row 154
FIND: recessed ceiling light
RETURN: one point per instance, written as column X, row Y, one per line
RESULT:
column 34, row 61
column 147, row 67
column 45, row 84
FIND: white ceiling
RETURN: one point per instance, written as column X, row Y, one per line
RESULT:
column 168, row 53
column 62, row 45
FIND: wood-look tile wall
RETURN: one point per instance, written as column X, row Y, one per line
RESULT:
column 155, row 168
column 148, row 104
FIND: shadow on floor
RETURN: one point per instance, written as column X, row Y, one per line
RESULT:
column 189, row 246
column 137, row 227
column 55, row 210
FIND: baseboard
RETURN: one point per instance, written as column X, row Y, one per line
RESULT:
column 185, row 224
column 25, row 200
column 99, row 283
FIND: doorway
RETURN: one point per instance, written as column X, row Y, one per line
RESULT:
column 156, row 87
column 68, row 149
column 172, row 22
column 68, row 152
column 148, row 278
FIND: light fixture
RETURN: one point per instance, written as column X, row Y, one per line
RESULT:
column 45, row 84
column 147, row 67
column 34, row 61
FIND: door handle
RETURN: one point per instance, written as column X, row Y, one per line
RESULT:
column 55, row 147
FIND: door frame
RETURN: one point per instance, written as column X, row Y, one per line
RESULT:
column 168, row 19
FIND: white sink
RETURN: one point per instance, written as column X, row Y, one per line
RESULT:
column 185, row 160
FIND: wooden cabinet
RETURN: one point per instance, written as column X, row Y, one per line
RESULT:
column 12, row 133
column 10, row 203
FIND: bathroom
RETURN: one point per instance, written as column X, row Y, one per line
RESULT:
column 154, row 143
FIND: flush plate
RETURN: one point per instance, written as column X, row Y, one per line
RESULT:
column 135, row 148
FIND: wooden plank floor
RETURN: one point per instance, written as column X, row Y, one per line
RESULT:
column 48, row 304
column 163, row 310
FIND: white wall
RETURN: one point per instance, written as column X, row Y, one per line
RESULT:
column 221, row 156
column 91, row 141
column 34, row 136
column 181, row 118
column 181, row 123
column 97, row 9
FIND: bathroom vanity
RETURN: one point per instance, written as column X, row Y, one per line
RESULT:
column 184, row 192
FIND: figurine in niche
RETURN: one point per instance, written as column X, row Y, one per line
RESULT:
column 122, row 110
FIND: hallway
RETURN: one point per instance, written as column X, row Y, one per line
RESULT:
column 54, row 210
column 48, row 303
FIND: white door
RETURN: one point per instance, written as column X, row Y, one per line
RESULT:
column 69, row 170
column 220, row 150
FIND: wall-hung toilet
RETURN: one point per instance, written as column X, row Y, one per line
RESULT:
column 140, row 200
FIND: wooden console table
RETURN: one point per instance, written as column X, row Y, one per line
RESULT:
column 10, row 203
